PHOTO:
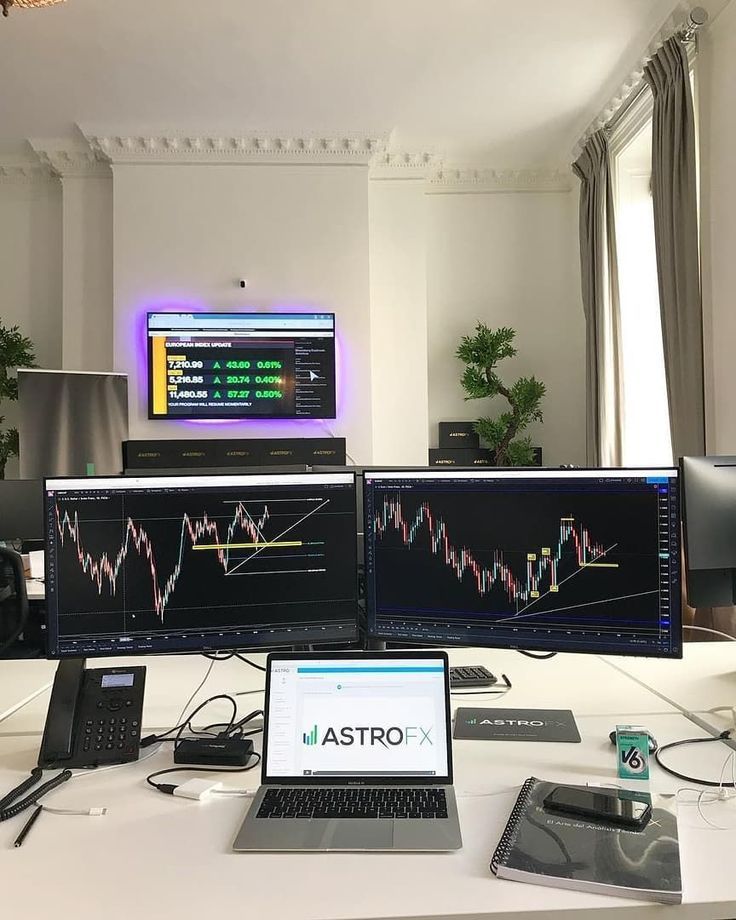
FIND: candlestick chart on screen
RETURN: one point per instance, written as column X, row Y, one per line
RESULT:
column 206, row 560
column 525, row 560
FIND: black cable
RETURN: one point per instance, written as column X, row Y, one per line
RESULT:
column 8, row 810
column 501, row 689
column 542, row 656
column 258, row 667
column 226, row 656
column 153, row 739
column 230, row 729
column 691, row 779
column 168, row 788
column 219, row 696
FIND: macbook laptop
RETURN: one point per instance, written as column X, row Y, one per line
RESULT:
column 356, row 754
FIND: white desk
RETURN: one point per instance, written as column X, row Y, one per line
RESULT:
column 154, row 854
column 578, row 682
column 706, row 678
column 21, row 682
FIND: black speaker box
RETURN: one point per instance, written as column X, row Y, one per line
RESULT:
column 458, row 434
column 462, row 456
column 228, row 453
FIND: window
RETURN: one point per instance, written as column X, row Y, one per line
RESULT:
column 646, row 435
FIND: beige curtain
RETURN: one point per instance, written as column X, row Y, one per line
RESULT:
column 674, row 193
column 599, row 271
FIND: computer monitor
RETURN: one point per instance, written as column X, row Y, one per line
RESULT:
column 553, row 560
column 199, row 563
column 709, row 518
column 21, row 509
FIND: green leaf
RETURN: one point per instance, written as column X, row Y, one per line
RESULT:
column 520, row 452
column 491, row 431
column 8, row 444
column 16, row 350
column 481, row 353
column 526, row 396
column 475, row 384
column 487, row 347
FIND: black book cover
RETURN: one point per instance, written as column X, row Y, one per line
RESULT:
column 565, row 852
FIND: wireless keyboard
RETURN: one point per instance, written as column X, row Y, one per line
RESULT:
column 474, row 675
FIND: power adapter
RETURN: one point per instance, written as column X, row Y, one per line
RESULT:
column 197, row 789
column 217, row 752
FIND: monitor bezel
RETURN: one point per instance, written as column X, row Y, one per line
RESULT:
column 352, row 635
column 676, row 622
column 358, row 779
column 199, row 416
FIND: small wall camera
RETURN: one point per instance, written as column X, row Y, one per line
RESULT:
column 243, row 282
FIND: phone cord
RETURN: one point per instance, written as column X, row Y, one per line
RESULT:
column 9, row 810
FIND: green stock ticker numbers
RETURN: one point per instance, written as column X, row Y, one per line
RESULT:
column 247, row 365
column 258, row 394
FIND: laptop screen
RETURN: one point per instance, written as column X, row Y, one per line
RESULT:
column 335, row 718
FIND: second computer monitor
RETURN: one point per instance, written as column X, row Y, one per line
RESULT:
column 197, row 563
column 553, row 560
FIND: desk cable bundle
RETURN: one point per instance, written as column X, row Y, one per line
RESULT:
column 219, row 745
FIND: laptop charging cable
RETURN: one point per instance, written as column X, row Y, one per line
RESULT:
column 199, row 789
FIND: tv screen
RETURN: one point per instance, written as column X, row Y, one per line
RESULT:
column 241, row 365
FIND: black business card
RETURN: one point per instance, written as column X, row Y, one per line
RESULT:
column 515, row 725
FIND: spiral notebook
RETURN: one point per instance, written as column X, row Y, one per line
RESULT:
column 564, row 852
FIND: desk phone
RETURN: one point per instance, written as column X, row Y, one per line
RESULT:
column 94, row 716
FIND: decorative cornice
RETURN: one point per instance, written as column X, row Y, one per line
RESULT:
column 23, row 171
column 471, row 180
column 72, row 162
column 400, row 165
column 177, row 147
column 633, row 81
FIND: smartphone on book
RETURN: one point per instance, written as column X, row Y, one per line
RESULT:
column 607, row 806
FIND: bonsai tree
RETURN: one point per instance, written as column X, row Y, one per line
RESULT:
column 481, row 353
column 15, row 351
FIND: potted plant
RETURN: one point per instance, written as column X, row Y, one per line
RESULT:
column 15, row 351
column 481, row 353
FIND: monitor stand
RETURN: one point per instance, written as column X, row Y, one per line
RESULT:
column 375, row 645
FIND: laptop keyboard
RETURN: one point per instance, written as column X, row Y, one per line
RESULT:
column 354, row 802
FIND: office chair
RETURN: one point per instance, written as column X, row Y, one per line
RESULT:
column 13, row 598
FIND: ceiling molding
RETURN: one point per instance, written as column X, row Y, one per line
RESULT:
column 634, row 79
column 72, row 162
column 23, row 171
column 403, row 165
column 205, row 149
column 470, row 180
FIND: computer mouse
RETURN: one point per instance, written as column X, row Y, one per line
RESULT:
column 652, row 741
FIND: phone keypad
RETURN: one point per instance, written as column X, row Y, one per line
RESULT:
column 112, row 733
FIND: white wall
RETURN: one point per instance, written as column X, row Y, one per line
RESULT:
column 30, row 270
column 87, row 274
column 717, row 91
column 407, row 273
column 509, row 259
column 184, row 234
column 398, row 272
column 30, row 263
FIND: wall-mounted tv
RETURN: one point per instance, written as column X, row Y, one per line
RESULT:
column 241, row 365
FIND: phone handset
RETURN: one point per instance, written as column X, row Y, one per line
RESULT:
column 57, row 745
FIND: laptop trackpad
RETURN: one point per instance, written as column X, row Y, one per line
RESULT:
column 359, row 834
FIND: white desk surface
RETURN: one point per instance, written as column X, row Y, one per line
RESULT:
column 706, row 678
column 172, row 856
column 20, row 682
column 579, row 682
